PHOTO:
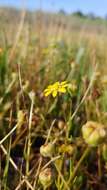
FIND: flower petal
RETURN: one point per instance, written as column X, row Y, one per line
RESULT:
column 54, row 93
column 62, row 90
column 47, row 93
column 64, row 82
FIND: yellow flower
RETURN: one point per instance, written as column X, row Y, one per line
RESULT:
column 55, row 88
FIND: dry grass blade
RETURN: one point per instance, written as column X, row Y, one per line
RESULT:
column 16, row 168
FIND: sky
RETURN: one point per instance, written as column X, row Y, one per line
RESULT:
column 98, row 7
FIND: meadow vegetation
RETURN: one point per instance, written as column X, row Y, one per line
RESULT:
column 53, row 101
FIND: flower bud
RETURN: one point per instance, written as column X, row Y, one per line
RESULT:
column 47, row 150
column 61, row 124
column 20, row 120
column 20, row 117
column 14, row 76
column 69, row 149
column 32, row 95
column 25, row 86
column 72, row 86
column 7, row 106
column 45, row 177
column 94, row 133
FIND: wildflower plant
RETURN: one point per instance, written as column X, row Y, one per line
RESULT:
column 59, row 142
column 57, row 87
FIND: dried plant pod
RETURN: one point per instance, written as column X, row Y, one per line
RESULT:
column 46, row 177
column 94, row 133
column 47, row 150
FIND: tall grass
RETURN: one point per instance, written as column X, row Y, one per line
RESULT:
column 37, row 55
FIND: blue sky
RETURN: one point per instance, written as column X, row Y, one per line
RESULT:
column 99, row 7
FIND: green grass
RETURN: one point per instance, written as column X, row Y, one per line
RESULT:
column 41, row 58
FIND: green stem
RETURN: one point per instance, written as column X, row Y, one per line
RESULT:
column 78, row 165
column 29, row 139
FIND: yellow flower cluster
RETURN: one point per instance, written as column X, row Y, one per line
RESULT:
column 57, row 87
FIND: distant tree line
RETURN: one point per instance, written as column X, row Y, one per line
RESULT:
column 79, row 13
